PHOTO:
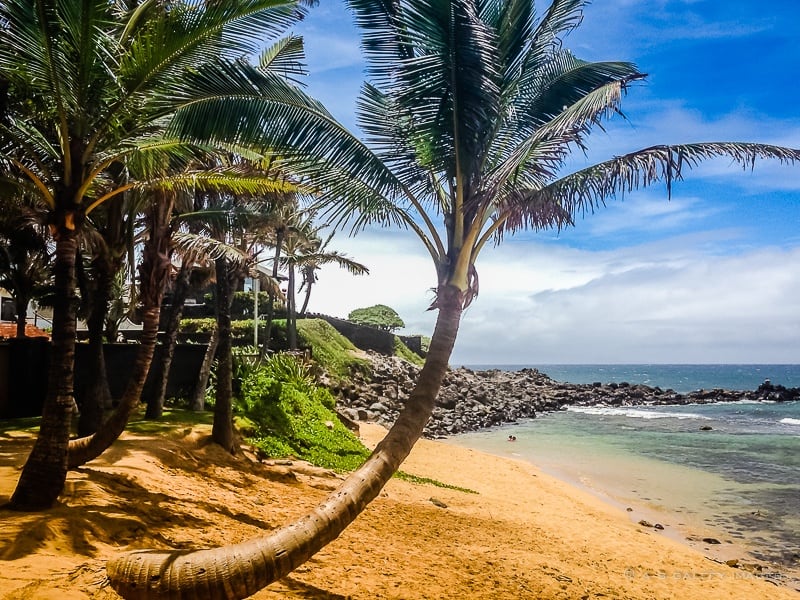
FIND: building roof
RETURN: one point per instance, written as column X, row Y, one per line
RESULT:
column 9, row 330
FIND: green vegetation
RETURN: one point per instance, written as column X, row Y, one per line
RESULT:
column 334, row 352
column 428, row 481
column 403, row 351
column 380, row 316
column 169, row 420
column 287, row 414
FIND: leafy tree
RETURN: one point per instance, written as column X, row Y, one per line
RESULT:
column 380, row 316
column 318, row 255
column 94, row 85
column 303, row 249
column 473, row 109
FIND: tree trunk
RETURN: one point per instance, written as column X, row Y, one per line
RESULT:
column 291, row 317
column 155, row 405
column 21, row 301
column 84, row 449
column 271, row 295
column 198, row 402
column 95, row 395
column 307, row 298
column 43, row 476
column 222, row 430
column 235, row 572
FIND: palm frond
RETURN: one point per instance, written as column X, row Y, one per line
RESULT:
column 192, row 243
column 285, row 57
column 535, row 160
column 589, row 188
column 233, row 181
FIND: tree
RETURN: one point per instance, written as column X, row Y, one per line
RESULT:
column 93, row 85
column 24, row 257
column 473, row 109
column 303, row 248
column 316, row 257
column 380, row 316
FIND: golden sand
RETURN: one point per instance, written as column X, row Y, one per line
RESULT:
column 523, row 535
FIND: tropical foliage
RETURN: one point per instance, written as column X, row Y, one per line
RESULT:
column 472, row 108
column 108, row 99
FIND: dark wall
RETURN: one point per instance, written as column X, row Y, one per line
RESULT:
column 365, row 338
column 23, row 372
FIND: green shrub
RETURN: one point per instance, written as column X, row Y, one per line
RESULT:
column 290, row 416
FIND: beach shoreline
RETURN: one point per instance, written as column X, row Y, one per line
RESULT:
column 522, row 534
column 692, row 506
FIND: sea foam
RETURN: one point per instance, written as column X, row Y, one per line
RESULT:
column 634, row 413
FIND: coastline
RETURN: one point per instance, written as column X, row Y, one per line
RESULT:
column 678, row 502
column 524, row 534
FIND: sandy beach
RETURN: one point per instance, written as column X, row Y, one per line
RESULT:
column 524, row 534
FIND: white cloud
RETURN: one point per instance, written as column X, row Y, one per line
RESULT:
column 669, row 301
column 645, row 304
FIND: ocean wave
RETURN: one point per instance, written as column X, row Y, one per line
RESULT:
column 634, row 413
column 790, row 421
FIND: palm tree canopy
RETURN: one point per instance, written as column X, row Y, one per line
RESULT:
column 472, row 108
column 94, row 84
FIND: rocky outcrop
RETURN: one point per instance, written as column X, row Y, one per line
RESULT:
column 471, row 400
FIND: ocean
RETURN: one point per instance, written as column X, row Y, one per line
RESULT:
column 681, row 378
column 738, row 481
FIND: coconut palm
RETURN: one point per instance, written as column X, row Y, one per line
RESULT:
column 93, row 84
column 304, row 250
column 473, row 108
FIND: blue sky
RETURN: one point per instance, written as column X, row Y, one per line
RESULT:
column 710, row 276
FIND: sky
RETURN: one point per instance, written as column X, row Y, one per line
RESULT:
column 711, row 275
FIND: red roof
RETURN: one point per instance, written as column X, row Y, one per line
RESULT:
column 9, row 330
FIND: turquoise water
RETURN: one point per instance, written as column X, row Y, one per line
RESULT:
column 681, row 378
column 740, row 479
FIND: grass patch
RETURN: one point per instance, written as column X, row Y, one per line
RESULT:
column 334, row 352
column 169, row 421
column 27, row 425
column 404, row 352
column 428, row 481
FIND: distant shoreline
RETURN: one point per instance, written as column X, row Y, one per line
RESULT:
column 682, row 377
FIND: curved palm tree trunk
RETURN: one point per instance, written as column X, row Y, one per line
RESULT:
column 235, row 572
column 43, row 476
column 222, row 430
column 155, row 405
column 154, row 272
column 198, row 402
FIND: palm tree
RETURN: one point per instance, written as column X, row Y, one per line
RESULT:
column 305, row 251
column 24, row 257
column 92, row 85
column 473, row 109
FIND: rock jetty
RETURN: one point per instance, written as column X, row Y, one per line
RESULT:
column 471, row 400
